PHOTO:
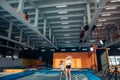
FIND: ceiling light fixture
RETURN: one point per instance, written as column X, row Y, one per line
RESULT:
column 106, row 15
column 99, row 25
column 108, row 8
column 64, row 18
column 65, row 23
column 101, row 42
column 44, row 42
column 101, row 20
column 65, row 27
column 66, row 34
column 64, row 12
column 17, row 36
column 67, row 41
column 91, row 49
column 114, row 0
column 61, row 6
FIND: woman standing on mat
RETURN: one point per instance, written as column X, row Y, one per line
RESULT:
column 62, row 69
column 68, row 67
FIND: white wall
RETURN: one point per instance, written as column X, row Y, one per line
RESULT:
column 8, row 62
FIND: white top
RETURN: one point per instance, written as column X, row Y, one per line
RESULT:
column 61, row 67
column 68, row 62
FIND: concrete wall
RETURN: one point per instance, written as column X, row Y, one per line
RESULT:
column 8, row 62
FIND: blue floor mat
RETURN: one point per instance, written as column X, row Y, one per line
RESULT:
column 17, row 75
column 89, row 73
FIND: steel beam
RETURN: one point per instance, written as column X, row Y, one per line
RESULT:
column 95, row 17
column 44, row 27
column 36, row 18
column 112, row 43
column 9, row 47
column 13, row 12
column 53, row 39
column 45, row 21
column 28, row 40
column 50, row 33
column 67, row 21
column 6, row 38
column 88, row 13
column 69, row 2
column 56, row 3
column 10, row 30
column 20, row 6
column 21, row 32
column 36, row 7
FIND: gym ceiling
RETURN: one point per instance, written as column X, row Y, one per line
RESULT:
column 59, row 23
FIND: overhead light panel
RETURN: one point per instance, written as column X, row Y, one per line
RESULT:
column 24, row 43
column 66, row 34
column 95, row 33
column 73, row 49
column 91, row 49
column 99, row 25
column 8, row 56
column 101, row 42
column 108, row 8
column 118, row 48
column 67, row 41
column 64, row 12
column 65, row 23
column 65, row 27
column 106, row 15
column 114, row 0
column 92, row 40
column 101, row 20
column 64, row 18
column 108, row 48
column 61, row 6
column 44, row 42
column 84, row 49
column 63, row 49
column 17, row 36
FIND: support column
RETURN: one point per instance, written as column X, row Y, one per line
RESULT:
column 20, row 40
column 91, row 35
column 7, row 43
column 36, row 18
column 10, row 30
column 28, row 40
column 88, row 13
column 84, row 21
column 53, row 39
column 109, row 35
column 44, row 29
column 50, row 34
column 20, row 6
column 33, row 45
column 97, row 3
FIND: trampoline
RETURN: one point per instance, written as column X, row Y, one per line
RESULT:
column 53, row 74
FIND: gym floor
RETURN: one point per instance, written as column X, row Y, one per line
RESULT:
column 51, row 74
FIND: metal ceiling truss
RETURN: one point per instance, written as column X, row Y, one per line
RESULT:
column 58, row 23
